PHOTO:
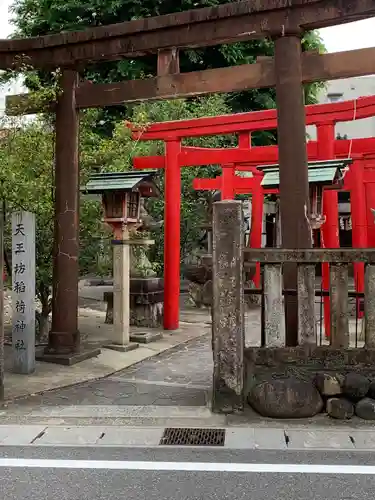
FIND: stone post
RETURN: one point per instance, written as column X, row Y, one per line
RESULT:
column 1, row 306
column 369, row 317
column 340, row 337
column 23, row 292
column 274, row 323
column 228, row 328
column 121, row 294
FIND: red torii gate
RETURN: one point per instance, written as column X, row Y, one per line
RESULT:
column 355, row 182
column 324, row 116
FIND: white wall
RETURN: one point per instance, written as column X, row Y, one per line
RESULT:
column 15, row 87
column 346, row 90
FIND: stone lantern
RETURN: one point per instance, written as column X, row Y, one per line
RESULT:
column 322, row 175
column 121, row 194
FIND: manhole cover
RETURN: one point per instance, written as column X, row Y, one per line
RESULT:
column 193, row 437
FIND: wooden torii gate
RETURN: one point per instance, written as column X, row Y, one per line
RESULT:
column 288, row 71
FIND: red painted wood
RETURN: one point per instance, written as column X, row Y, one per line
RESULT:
column 172, row 222
column 330, row 229
column 246, row 158
column 370, row 203
column 261, row 155
column 257, row 204
column 363, row 107
column 227, row 185
column 359, row 219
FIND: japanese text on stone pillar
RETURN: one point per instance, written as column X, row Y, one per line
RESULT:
column 23, row 287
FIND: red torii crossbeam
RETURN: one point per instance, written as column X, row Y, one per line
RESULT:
column 259, row 155
column 316, row 114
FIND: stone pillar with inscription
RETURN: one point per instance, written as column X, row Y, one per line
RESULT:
column 228, row 323
column 23, row 292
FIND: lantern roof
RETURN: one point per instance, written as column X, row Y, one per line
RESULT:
column 320, row 172
column 122, row 182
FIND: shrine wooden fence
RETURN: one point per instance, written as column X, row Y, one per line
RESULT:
column 230, row 261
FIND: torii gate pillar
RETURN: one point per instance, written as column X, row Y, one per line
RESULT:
column 294, row 185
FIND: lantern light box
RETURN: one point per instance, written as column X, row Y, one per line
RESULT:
column 121, row 194
column 326, row 174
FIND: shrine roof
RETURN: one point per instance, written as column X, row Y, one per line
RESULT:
column 320, row 172
column 118, row 181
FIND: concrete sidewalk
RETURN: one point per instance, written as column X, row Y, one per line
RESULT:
column 194, row 324
column 283, row 437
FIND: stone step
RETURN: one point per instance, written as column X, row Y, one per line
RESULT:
column 126, row 415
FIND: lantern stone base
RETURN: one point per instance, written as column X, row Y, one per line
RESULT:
column 68, row 359
column 146, row 303
column 145, row 337
column 122, row 347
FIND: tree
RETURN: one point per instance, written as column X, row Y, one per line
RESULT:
column 194, row 204
column 112, row 148
column 26, row 158
column 116, row 153
column 27, row 183
column 40, row 17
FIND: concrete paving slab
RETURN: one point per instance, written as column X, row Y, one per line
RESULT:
column 15, row 435
column 239, row 439
column 117, row 411
column 145, row 432
column 120, row 436
column 363, row 440
column 269, row 439
column 49, row 376
column 324, row 440
column 70, row 436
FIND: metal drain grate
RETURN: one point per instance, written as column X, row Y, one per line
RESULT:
column 193, row 437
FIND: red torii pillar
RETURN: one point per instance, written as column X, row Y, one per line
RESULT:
column 358, row 208
column 330, row 228
column 369, row 169
column 227, row 182
column 257, row 205
column 172, row 208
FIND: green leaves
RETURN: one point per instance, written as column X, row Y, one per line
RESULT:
column 27, row 152
column 27, row 180
column 39, row 17
column 26, row 156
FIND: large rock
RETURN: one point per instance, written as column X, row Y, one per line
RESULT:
column 329, row 385
column 285, row 398
column 371, row 391
column 366, row 409
column 340, row 408
column 355, row 386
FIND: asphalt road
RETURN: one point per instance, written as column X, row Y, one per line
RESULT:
column 114, row 474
